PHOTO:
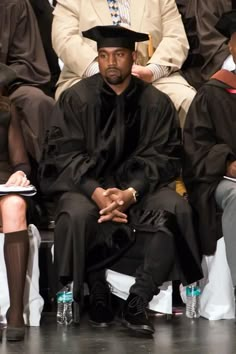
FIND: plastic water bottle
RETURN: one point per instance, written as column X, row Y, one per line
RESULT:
column 193, row 292
column 64, row 305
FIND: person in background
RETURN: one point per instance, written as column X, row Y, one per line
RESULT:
column 22, row 50
column 112, row 150
column 43, row 12
column 210, row 154
column 208, row 47
column 159, row 59
column 14, row 168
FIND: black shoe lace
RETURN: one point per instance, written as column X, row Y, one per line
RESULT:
column 138, row 304
column 100, row 293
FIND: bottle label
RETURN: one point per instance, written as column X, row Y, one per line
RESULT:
column 193, row 291
column 64, row 297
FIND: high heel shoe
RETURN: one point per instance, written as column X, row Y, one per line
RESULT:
column 15, row 334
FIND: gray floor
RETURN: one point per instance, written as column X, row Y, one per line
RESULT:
column 178, row 335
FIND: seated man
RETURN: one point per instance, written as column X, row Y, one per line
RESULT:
column 43, row 12
column 210, row 154
column 113, row 148
column 208, row 47
column 21, row 49
column 158, row 60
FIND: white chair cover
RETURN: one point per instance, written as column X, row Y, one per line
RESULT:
column 121, row 283
column 217, row 296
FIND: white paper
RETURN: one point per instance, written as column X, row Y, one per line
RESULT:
column 29, row 190
column 230, row 178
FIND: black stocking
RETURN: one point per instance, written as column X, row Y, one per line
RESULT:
column 16, row 252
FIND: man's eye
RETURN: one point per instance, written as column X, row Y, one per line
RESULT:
column 120, row 54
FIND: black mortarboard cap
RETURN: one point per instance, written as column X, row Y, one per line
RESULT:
column 227, row 23
column 7, row 75
column 115, row 36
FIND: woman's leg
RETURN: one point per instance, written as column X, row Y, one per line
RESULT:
column 16, row 251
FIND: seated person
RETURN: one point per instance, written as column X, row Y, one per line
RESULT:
column 14, row 168
column 208, row 47
column 43, row 12
column 113, row 148
column 21, row 49
column 158, row 59
column 210, row 154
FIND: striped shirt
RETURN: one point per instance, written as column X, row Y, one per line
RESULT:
column 124, row 20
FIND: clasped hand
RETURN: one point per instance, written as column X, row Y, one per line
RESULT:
column 112, row 204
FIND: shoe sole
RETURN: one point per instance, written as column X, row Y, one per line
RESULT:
column 15, row 334
column 143, row 329
column 100, row 325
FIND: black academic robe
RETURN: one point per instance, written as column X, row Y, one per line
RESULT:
column 207, row 52
column 209, row 143
column 43, row 12
column 102, row 139
column 20, row 44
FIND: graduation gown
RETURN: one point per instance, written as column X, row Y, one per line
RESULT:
column 98, row 138
column 207, row 52
column 43, row 12
column 209, row 144
column 20, row 44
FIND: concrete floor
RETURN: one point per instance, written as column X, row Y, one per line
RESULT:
column 178, row 335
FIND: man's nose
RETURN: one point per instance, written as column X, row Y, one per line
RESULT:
column 111, row 59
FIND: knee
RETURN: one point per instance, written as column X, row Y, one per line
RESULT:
column 13, row 206
column 41, row 99
column 230, row 198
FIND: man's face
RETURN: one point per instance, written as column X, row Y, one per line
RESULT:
column 115, row 64
column 232, row 46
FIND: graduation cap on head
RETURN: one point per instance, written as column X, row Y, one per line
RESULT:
column 7, row 75
column 115, row 36
column 227, row 24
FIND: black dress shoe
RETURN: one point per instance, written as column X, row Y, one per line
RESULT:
column 15, row 334
column 100, row 309
column 135, row 317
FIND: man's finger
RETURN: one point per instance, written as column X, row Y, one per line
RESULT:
column 110, row 191
column 109, row 208
column 120, row 220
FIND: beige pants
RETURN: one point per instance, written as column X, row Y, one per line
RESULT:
column 179, row 91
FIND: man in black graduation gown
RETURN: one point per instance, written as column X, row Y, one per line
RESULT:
column 112, row 150
column 210, row 154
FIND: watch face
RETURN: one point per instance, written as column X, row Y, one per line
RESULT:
column 137, row 195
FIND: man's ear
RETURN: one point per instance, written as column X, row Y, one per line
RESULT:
column 134, row 55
